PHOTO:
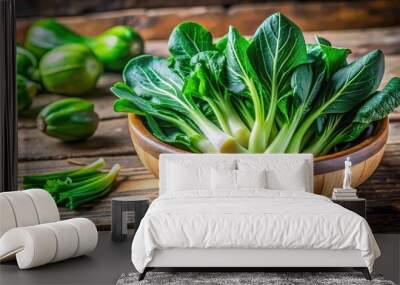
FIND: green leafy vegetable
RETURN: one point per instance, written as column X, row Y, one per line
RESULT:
column 306, row 82
column 206, row 84
column 273, row 93
column 243, row 81
column 348, row 87
column 334, row 58
column 277, row 48
column 150, row 77
column 128, row 102
column 187, row 40
column 76, row 186
column 373, row 109
column 38, row 181
column 75, row 195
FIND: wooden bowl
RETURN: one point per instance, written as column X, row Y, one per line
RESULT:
column 328, row 169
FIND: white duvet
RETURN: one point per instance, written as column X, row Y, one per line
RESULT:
column 250, row 219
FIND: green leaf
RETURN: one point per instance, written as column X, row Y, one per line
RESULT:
column 276, row 49
column 377, row 107
column 213, row 61
column 221, row 44
column 188, row 39
column 335, row 58
column 381, row 103
column 241, row 79
column 352, row 84
column 209, row 69
column 239, row 69
column 185, row 41
column 347, row 88
column 39, row 180
column 150, row 76
column 305, row 82
column 175, row 137
column 126, row 106
column 130, row 102
column 322, row 41
column 190, row 121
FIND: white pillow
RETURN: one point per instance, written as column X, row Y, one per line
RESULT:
column 292, row 179
column 223, row 179
column 251, row 178
column 231, row 180
column 282, row 174
column 188, row 175
column 181, row 177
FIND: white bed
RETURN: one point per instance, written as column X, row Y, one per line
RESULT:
column 197, row 222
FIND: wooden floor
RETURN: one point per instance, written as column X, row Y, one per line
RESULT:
column 38, row 153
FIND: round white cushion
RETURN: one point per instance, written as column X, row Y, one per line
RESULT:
column 45, row 205
column 40, row 244
column 87, row 234
column 26, row 208
column 66, row 238
column 7, row 218
column 33, row 246
column 23, row 208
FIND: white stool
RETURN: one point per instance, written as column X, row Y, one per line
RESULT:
column 31, row 230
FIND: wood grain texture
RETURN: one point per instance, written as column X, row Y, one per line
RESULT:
column 26, row 8
column 314, row 15
column 111, row 138
column 77, row 7
column 39, row 153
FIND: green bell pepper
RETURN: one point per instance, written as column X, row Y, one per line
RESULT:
column 113, row 48
column 26, row 90
column 27, row 64
column 71, row 119
column 70, row 69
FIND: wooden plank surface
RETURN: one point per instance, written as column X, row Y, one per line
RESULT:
column 38, row 153
column 309, row 15
column 53, row 8
column 76, row 7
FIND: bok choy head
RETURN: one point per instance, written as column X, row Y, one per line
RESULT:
column 271, row 93
column 153, row 83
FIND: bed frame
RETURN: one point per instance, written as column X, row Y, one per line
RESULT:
column 249, row 259
column 241, row 259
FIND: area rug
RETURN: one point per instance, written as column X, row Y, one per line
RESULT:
column 244, row 278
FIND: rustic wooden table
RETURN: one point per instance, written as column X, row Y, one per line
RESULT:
column 38, row 153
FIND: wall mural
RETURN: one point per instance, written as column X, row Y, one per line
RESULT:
column 74, row 95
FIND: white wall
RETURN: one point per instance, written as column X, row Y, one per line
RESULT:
column 389, row 262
